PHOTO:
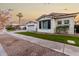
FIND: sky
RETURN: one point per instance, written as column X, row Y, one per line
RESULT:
column 32, row 11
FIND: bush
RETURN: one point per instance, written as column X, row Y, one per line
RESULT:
column 10, row 28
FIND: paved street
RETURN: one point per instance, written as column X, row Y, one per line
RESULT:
column 16, row 47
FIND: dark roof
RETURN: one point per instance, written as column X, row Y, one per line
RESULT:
column 59, row 15
column 43, row 16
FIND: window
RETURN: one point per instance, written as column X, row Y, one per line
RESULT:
column 66, row 21
column 59, row 22
column 45, row 24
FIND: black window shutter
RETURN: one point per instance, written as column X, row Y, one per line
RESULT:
column 39, row 24
column 49, row 24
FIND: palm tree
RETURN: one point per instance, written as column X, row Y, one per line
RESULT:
column 19, row 16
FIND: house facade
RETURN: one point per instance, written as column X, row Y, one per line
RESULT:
column 56, row 23
column 31, row 26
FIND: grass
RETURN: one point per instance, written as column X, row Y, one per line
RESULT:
column 57, row 38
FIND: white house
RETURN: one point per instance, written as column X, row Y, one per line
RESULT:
column 31, row 26
column 56, row 23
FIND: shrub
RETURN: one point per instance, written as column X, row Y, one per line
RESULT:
column 10, row 28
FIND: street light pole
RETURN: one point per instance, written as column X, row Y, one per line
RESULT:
column 63, row 47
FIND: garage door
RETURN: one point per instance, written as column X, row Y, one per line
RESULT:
column 31, row 28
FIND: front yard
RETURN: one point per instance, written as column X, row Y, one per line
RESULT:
column 14, row 47
column 57, row 38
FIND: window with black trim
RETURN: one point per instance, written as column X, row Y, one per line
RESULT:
column 59, row 22
column 66, row 21
column 45, row 24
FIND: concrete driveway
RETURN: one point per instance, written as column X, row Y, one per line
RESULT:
column 15, row 47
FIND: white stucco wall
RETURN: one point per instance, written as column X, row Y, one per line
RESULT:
column 72, row 23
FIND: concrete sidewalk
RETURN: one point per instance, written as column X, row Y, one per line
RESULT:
column 2, row 51
column 60, row 47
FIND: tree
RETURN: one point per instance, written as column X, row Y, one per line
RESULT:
column 4, row 18
column 19, row 16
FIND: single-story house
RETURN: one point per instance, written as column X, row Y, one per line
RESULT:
column 17, row 26
column 56, row 23
column 22, row 27
column 31, row 26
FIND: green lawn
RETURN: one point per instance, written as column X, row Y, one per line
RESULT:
column 57, row 38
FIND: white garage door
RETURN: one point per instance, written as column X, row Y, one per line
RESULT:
column 31, row 28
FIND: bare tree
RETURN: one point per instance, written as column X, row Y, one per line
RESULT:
column 4, row 18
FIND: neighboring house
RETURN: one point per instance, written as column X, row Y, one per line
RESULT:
column 18, row 27
column 31, row 26
column 22, row 27
column 15, row 26
column 56, row 23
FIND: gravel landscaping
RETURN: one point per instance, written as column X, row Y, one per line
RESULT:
column 16, row 47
